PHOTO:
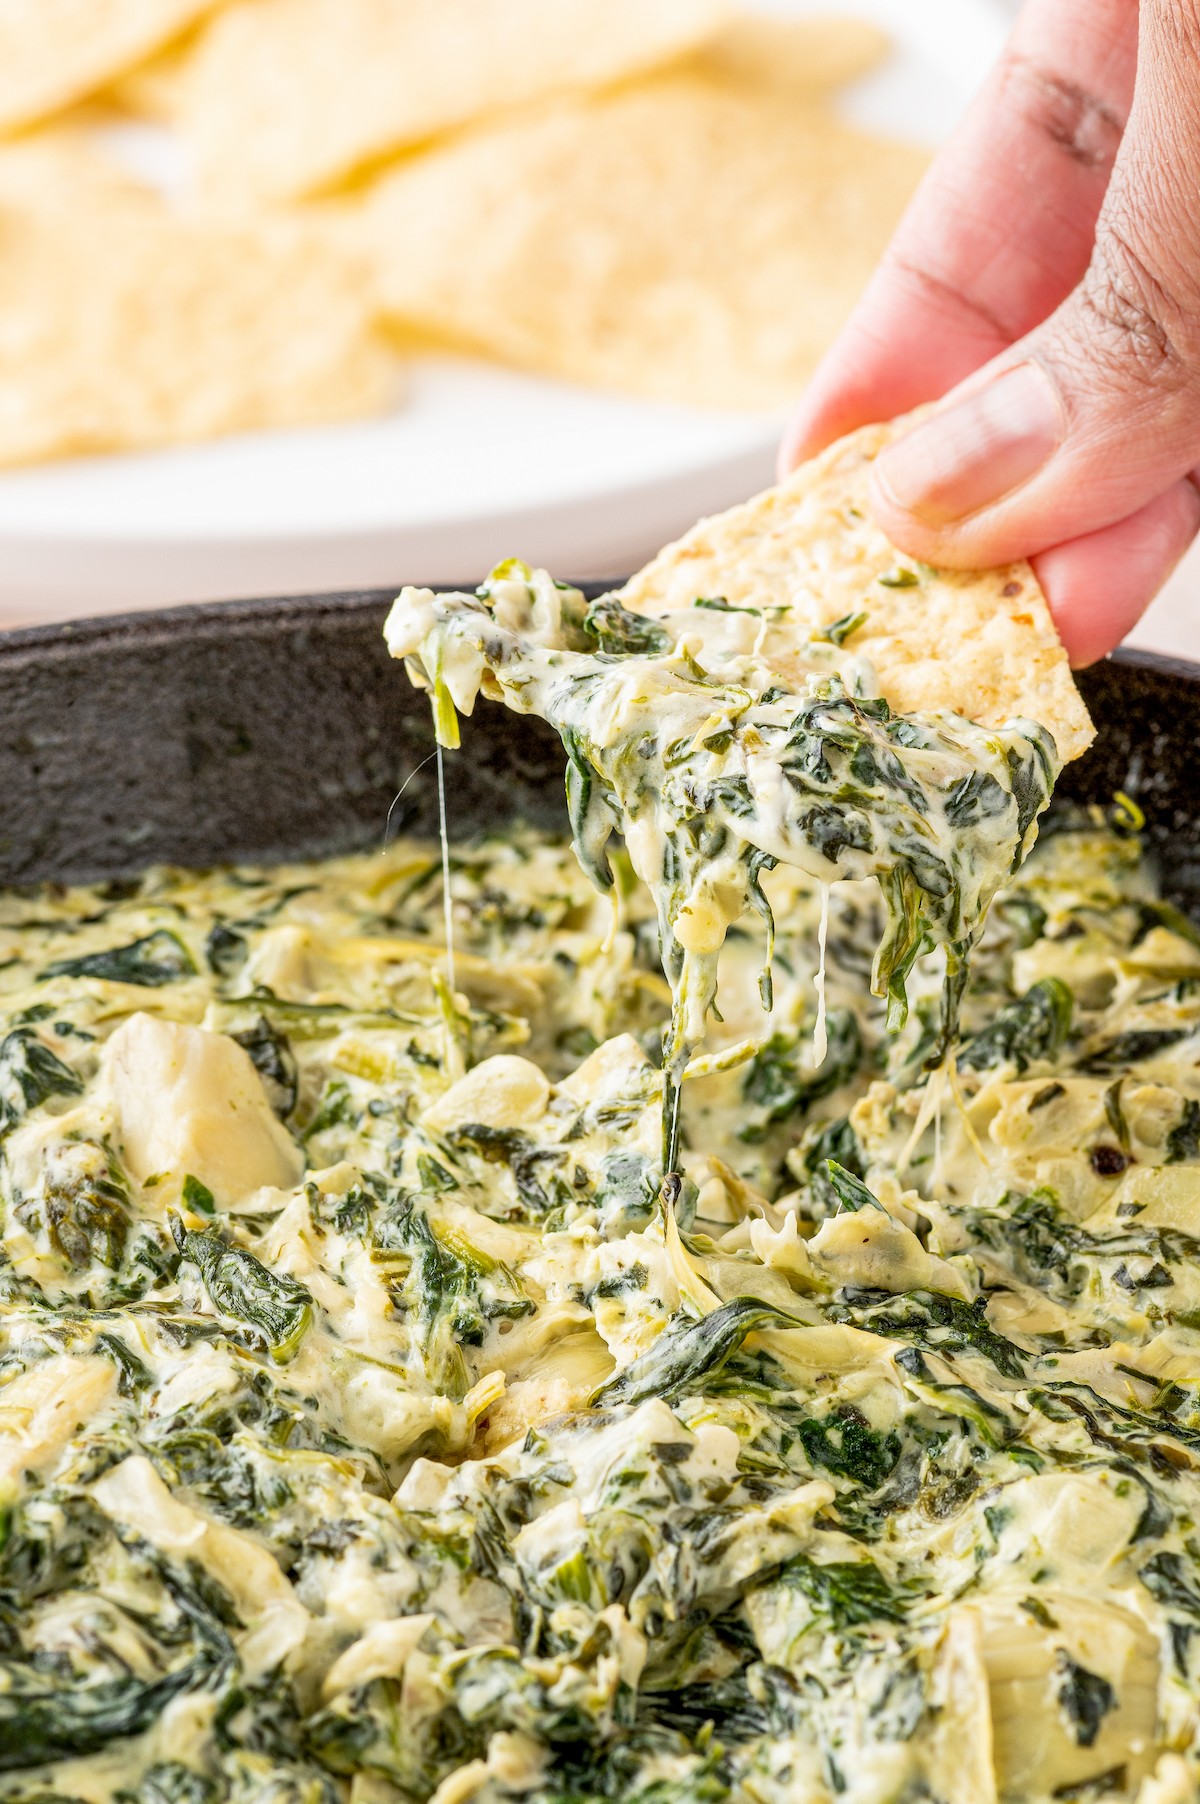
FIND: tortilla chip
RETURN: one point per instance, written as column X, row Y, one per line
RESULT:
column 49, row 166
column 285, row 98
column 53, row 52
column 122, row 325
column 808, row 58
column 679, row 238
column 155, row 89
column 977, row 643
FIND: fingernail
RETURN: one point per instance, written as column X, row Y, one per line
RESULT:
column 976, row 451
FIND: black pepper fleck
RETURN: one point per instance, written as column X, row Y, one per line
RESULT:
column 1108, row 1161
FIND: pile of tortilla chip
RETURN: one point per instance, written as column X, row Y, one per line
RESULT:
column 651, row 196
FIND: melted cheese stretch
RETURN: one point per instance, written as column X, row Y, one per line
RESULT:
column 367, row 1431
column 687, row 742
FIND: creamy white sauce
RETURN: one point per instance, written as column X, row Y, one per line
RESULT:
column 681, row 734
column 449, row 1494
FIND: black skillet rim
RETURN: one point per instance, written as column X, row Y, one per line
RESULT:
column 276, row 728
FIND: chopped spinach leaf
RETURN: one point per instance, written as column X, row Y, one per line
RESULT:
column 508, row 1146
column 40, row 1721
column 451, row 1292
column 845, row 1443
column 974, row 798
column 837, row 1142
column 1183, row 1141
column 135, row 1374
column 1034, row 1028
column 1166, row 1578
column 225, row 949
column 687, row 1353
column 940, row 1324
column 1084, row 1698
column 240, row 1286
column 846, row 1592
column 30, row 1074
column 1131, row 1048
column 160, row 958
column 85, row 1218
column 719, row 605
column 623, row 634
column 838, row 631
column 777, row 1082
column 272, row 1057
column 850, row 1191
column 198, row 1197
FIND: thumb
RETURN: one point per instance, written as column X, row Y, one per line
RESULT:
column 1096, row 414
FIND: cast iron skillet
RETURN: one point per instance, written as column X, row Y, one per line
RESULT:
column 261, row 730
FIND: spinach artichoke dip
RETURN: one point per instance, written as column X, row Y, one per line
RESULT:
column 725, row 1329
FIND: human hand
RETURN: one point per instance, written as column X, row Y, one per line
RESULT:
column 1046, row 280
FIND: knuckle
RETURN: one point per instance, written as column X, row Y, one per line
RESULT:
column 1133, row 320
column 944, row 297
column 1177, row 25
column 1082, row 125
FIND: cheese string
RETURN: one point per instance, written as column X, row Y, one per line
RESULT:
column 387, row 825
column 672, row 1100
column 447, row 908
column 930, row 1109
column 820, row 1036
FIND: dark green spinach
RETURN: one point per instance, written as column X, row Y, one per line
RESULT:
column 160, row 958
column 1084, row 1698
column 847, row 1593
column 241, row 1287
column 1035, row 1027
column 688, row 1352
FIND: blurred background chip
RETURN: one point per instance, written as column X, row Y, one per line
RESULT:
column 322, row 293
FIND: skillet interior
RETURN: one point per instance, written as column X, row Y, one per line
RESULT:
column 268, row 729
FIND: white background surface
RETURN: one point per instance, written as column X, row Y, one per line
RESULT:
column 477, row 464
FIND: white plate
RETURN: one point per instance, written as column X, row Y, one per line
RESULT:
column 479, row 463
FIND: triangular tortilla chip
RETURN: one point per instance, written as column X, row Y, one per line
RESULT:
column 978, row 643
column 123, row 325
column 685, row 238
column 53, row 52
column 155, row 89
column 284, row 98
column 808, row 58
